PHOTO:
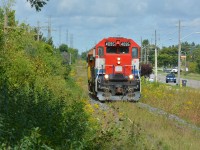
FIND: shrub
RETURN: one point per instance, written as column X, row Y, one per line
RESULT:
column 146, row 70
column 40, row 106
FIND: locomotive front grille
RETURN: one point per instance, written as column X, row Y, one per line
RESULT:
column 118, row 77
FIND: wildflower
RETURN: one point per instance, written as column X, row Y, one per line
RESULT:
column 89, row 108
column 96, row 106
column 121, row 114
column 189, row 102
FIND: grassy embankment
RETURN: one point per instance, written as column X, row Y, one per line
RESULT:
column 183, row 102
column 193, row 76
column 130, row 126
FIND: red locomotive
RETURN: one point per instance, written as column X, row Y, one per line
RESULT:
column 113, row 69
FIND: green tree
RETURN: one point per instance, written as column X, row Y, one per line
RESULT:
column 145, row 42
column 168, row 56
column 145, row 47
column 196, row 59
column 84, row 55
column 63, row 48
column 192, row 67
column 163, row 60
column 38, row 4
column 74, row 54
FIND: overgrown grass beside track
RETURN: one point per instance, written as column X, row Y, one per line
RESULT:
column 124, row 125
column 155, row 131
column 184, row 102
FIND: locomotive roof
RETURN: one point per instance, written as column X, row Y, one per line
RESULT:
column 90, row 52
column 118, row 38
column 111, row 38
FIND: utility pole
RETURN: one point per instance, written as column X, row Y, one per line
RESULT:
column 71, row 40
column 59, row 35
column 67, row 37
column 156, row 73
column 5, row 21
column 6, row 6
column 38, row 31
column 49, row 28
column 39, row 27
column 70, row 58
column 179, row 51
column 141, row 50
column 145, row 55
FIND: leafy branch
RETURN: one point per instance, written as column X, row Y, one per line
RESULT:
column 38, row 4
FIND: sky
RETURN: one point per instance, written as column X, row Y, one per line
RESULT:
column 83, row 23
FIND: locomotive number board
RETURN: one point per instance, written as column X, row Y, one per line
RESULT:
column 118, row 68
column 110, row 44
column 125, row 43
column 114, row 44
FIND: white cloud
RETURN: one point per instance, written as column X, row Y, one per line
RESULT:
column 90, row 20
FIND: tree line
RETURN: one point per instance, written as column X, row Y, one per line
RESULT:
column 168, row 56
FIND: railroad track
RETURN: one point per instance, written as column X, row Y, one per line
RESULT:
column 154, row 110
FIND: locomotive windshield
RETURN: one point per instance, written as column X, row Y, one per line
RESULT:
column 135, row 52
column 117, row 50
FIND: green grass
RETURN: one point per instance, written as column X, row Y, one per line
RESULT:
column 155, row 131
column 127, row 126
column 183, row 102
column 193, row 76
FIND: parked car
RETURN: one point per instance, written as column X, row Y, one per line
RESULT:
column 170, row 78
column 167, row 70
column 175, row 70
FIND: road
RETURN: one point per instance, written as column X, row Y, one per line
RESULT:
column 189, row 83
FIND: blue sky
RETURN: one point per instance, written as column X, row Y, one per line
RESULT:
column 88, row 21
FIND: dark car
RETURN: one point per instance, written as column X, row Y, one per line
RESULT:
column 170, row 78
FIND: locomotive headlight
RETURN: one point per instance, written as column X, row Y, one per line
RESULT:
column 131, row 77
column 118, row 58
column 106, row 76
column 118, row 62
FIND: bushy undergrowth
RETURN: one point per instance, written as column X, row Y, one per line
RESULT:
column 40, row 106
column 120, row 129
